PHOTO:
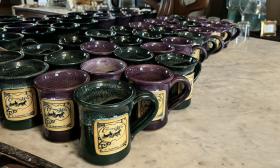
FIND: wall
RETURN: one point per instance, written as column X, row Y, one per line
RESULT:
column 273, row 10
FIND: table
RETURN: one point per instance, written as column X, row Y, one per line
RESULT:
column 233, row 121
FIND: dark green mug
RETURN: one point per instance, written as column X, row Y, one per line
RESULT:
column 19, row 97
column 105, row 108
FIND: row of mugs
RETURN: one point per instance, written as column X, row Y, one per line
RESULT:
column 111, row 112
column 153, row 29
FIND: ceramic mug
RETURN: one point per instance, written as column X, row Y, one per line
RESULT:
column 11, row 41
column 10, row 56
column 187, row 47
column 211, row 34
column 184, row 65
column 60, row 113
column 105, row 108
column 19, row 97
column 205, row 40
column 158, row 80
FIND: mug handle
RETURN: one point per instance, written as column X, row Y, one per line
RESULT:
column 197, row 73
column 236, row 34
column 210, row 50
column 203, row 53
column 213, row 38
column 228, row 37
column 29, row 42
column 182, row 96
column 144, row 120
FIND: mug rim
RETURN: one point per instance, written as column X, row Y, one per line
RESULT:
column 188, row 42
column 84, row 47
column 98, row 106
column 145, row 46
column 112, row 33
column 120, row 50
column 48, row 57
column 158, row 59
column 41, row 44
column 44, row 69
column 19, row 36
column 122, row 63
column 40, row 77
column 171, row 74
column 19, row 56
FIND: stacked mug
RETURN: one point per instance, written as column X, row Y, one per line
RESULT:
column 102, row 76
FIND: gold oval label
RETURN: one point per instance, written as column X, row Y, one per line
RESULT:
column 196, row 54
column 111, row 135
column 19, row 104
column 58, row 115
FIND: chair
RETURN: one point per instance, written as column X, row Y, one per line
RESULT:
column 169, row 7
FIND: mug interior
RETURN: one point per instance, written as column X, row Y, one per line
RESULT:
column 148, row 73
column 7, row 56
column 104, row 66
column 9, row 36
column 69, row 57
column 55, row 80
column 104, row 92
column 22, row 69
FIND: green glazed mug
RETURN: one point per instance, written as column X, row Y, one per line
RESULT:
column 105, row 109
column 18, row 95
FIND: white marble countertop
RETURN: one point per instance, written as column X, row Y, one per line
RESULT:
column 233, row 121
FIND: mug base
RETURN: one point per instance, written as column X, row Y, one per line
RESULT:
column 60, row 136
column 155, row 125
column 103, row 162
column 183, row 105
column 21, row 125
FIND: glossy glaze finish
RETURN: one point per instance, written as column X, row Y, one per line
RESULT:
column 66, row 59
column 126, row 40
column 53, row 91
column 121, row 30
column 109, row 104
column 105, row 21
column 134, row 55
column 100, row 48
column 17, row 27
column 149, row 36
column 178, row 63
column 86, row 24
column 158, row 47
column 73, row 42
column 4, row 20
column 39, row 51
column 140, row 25
column 46, row 23
column 40, row 34
column 104, row 68
column 100, row 34
column 181, row 45
column 160, row 81
column 18, row 93
column 11, row 41
column 65, row 28
column 10, row 56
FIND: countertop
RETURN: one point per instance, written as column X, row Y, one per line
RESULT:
column 233, row 121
